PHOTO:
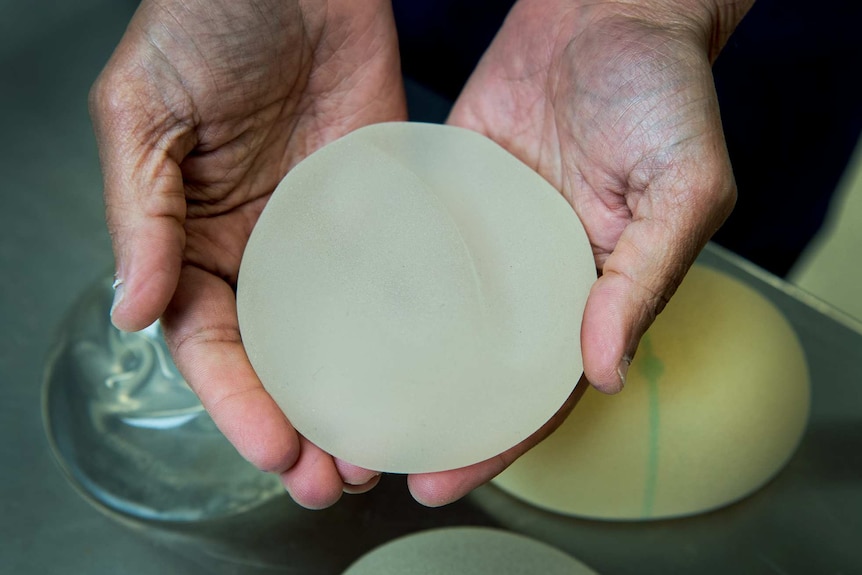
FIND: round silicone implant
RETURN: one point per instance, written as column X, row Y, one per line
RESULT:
column 412, row 296
column 716, row 402
column 467, row 550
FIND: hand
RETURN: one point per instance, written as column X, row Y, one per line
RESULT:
column 200, row 112
column 613, row 103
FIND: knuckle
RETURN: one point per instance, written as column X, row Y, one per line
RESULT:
column 112, row 100
column 106, row 97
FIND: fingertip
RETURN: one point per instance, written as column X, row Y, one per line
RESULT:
column 273, row 446
column 609, row 381
column 312, row 497
column 147, row 278
column 353, row 474
column 364, row 488
column 313, row 482
column 117, row 307
column 607, row 337
column 255, row 425
column 427, row 490
column 445, row 487
column 128, row 316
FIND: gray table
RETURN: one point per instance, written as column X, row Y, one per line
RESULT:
column 53, row 244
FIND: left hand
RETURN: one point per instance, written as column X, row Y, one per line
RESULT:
column 614, row 104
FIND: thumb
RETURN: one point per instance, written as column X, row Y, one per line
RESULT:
column 639, row 277
column 141, row 144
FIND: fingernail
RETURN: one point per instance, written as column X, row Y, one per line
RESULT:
column 623, row 369
column 118, row 294
column 372, row 478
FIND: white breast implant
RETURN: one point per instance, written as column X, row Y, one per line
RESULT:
column 412, row 296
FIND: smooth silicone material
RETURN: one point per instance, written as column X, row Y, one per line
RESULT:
column 467, row 551
column 715, row 404
column 412, row 298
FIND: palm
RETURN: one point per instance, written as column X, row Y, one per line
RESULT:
column 249, row 102
column 622, row 119
column 202, row 110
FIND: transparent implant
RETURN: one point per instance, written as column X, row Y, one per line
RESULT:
column 129, row 432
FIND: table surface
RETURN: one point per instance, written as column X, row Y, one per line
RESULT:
column 53, row 244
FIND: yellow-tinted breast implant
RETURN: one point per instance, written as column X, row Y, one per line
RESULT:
column 715, row 403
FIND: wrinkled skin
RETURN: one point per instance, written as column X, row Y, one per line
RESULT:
column 205, row 106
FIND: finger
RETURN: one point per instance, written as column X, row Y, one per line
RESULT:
column 202, row 332
column 353, row 475
column 444, row 487
column 314, row 481
column 639, row 277
column 364, row 488
column 141, row 143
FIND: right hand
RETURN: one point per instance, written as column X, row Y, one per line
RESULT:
column 202, row 109
column 613, row 103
